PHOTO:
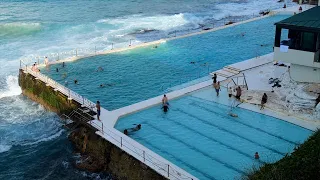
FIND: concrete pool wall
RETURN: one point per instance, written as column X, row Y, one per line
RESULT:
column 74, row 55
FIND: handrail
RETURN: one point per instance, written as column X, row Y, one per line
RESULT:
column 132, row 147
column 244, row 77
column 142, row 153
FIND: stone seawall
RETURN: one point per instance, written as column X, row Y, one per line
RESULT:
column 98, row 154
column 45, row 95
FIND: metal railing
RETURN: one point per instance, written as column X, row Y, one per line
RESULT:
column 133, row 148
column 148, row 157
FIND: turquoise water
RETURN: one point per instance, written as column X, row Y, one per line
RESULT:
column 135, row 75
column 33, row 143
column 199, row 136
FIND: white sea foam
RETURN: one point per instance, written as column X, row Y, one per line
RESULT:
column 140, row 22
column 12, row 88
column 4, row 148
column 18, row 28
column 49, row 138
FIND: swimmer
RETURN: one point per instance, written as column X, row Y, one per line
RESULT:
column 57, row 69
column 63, row 64
column 99, row 69
column 136, row 128
column 101, row 85
column 243, row 34
column 64, row 75
column 192, row 62
column 155, row 47
column 256, row 155
column 76, row 81
column 233, row 115
column 165, row 108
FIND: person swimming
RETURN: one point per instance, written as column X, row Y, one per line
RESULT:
column 99, row 69
column 76, row 81
column 134, row 129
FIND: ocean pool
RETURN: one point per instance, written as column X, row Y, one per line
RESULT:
column 199, row 136
column 136, row 75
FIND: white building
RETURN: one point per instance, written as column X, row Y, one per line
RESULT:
column 297, row 41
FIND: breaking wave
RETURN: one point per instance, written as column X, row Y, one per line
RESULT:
column 12, row 88
column 19, row 28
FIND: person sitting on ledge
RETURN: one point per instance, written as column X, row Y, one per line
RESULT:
column 136, row 128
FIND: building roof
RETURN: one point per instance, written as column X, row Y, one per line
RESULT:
column 308, row 21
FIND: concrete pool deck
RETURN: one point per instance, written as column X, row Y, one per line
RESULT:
column 250, row 68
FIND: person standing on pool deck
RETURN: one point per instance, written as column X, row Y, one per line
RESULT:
column 164, row 100
column 238, row 94
column 214, row 78
column 46, row 61
column 263, row 100
column 217, row 87
column 98, row 110
column 230, row 92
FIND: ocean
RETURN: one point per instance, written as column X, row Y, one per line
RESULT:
column 33, row 143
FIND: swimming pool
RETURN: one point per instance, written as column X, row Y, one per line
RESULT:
column 135, row 75
column 199, row 136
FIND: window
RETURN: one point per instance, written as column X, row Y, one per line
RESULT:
column 308, row 41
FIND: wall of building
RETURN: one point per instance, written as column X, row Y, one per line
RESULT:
column 304, row 73
column 303, row 58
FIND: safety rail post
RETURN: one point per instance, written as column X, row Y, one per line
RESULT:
column 168, row 170
column 144, row 156
column 121, row 141
column 102, row 127
column 20, row 63
column 76, row 52
column 26, row 68
column 95, row 50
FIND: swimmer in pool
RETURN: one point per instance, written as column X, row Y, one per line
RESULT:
column 130, row 130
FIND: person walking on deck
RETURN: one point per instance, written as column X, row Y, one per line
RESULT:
column 214, row 78
column 46, row 61
column 98, row 110
column 217, row 87
column 264, row 100
column 230, row 92
column 238, row 94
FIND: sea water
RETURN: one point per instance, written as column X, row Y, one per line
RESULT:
column 32, row 142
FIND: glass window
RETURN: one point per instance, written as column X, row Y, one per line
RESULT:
column 308, row 41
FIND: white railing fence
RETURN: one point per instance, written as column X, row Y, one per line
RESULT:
column 143, row 154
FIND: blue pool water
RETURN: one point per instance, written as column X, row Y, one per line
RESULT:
column 135, row 75
column 199, row 136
